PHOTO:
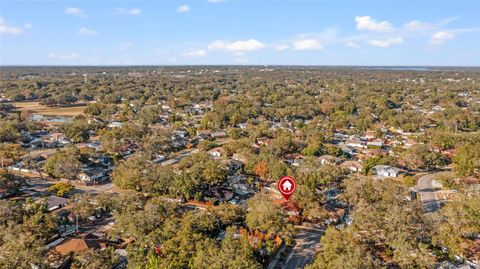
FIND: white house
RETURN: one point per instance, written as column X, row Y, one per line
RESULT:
column 91, row 175
column 115, row 124
column 355, row 142
column 217, row 152
column 375, row 143
column 242, row 125
column 385, row 171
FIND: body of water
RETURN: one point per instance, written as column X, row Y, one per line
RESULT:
column 59, row 119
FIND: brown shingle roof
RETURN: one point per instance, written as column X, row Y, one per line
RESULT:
column 78, row 245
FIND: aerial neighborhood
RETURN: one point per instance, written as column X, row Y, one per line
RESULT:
column 136, row 168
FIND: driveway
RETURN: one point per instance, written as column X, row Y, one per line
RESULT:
column 426, row 191
column 307, row 238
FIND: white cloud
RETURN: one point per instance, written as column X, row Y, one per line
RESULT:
column 307, row 44
column 237, row 46
column 124, row 46
column 439, row 38
column 370, row 24
column 415, row 25
column 28, row 26
column 386, row 42
column 64, row 56
column 7, row 29
column 135, row 11
column 183, row 9
column 75, row 11
column 127, row 11
column 352, row 45
column 195, row 53
column 281, row 47
column 86, row 31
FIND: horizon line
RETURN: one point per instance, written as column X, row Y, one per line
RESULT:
column 236, row 65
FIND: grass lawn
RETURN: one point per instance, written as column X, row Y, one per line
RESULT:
column 37, row 108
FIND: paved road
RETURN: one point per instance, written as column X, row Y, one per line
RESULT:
column 179, row 157
column 427, row 193
column 41, row 185
column 307, row 238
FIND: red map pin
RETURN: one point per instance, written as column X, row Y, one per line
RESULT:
column 286, row 186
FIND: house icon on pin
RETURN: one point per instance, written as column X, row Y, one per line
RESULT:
column 287, row 186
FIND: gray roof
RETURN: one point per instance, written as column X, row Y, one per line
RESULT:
column 55, row 201
column 386, row 168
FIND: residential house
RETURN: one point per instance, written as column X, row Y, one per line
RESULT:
column 92, row 175
column 263, row 141
column 394, row 142
column 242, row 125
column 240, row 185
column 159, row 158
column 354, row 166
column 294, row 159
column 347, row 150
column 96, row 145
column 233, row 165
column 328, row 159
column 451, row 153
column 217, row 152
column 38, row 143
column 220, row 194
column 179, row 134
column 332, row 194
column 53, row 202
column 219, row 134
column 409, row 142
column 369, row 134
column 340, row 136
column 95, row 120
column 291, row 208
column 197, row 110
column 449, row 265
column 115, row 124
column 335, row 215
column 56, row 139
column 77, row 245
column 385, row 171
column 377, row 143
column 355, row 142
column 368, row 153
column 203, row 134
column 179, row 143
column 240, row 157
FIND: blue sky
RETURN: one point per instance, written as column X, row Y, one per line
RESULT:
column 286, row 32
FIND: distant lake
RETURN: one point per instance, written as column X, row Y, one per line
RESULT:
column 58, row 119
